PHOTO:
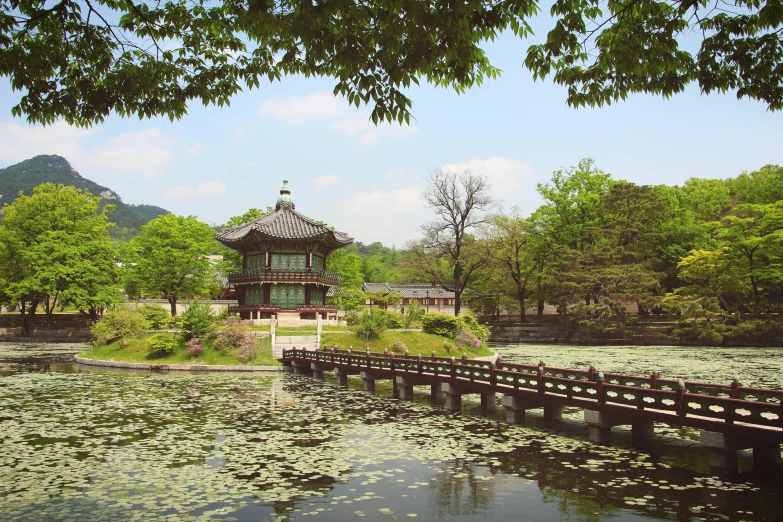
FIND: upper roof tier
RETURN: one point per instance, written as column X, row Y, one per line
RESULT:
column 285, row 223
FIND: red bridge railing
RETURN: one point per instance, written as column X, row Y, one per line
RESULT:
column 724, row 404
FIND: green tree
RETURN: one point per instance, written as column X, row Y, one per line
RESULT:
column 55, row 249
column 81, row 61
column 168, row 259
column 232, row 259
column 763, row 186
column 507, row 243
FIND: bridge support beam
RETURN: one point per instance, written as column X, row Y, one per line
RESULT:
column 553, row 413
column 435, row 391
column 453, row 396
column 288, row 367
column 404, row 387
column 318, row 371
column 369, row 381
column 723, row 450
column 301, row 367
column 515, row 408
column 488, row 401
column 342, row 376
column 600, row 426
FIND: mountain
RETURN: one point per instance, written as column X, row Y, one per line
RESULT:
column 30, row 173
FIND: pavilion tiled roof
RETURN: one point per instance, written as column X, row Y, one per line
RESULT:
column 284, row 223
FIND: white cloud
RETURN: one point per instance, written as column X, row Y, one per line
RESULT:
column 21, row 142
column 147, row 152
column 203, row 190
column 324, row 181
column 144, row 153
column 392, row 217
column 505, row 175
column 297, row 109
column 194, row 150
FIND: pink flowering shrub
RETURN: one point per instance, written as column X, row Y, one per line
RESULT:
column 466, row 339
column 194, row 347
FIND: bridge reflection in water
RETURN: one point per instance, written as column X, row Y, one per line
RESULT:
column 731, row 417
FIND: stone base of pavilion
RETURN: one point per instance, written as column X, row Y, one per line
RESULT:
column 302, row 315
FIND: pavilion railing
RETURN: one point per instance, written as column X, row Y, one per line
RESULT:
column 252, row 275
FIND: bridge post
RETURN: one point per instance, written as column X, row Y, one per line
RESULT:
column 453, row 397
column 515, row 409
column 342, row 376
column 301, row 367
column 318, row 372
column 553, row 413
column 488, row 401
column 288, row 367
column 723, row 449
column 369, row 381
column 404, row 387
column 641, row 431
column 600, row 426
column 435, row 391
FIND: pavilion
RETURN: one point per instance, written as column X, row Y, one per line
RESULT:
column 284, row 263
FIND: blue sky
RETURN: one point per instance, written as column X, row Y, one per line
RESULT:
column 218, row 162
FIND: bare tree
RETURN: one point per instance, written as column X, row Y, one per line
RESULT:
column 458, row 201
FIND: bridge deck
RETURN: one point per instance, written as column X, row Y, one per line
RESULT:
column 735, row 410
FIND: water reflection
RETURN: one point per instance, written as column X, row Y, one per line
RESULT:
column 111, row 446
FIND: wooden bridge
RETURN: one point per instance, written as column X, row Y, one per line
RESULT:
column 732, row 417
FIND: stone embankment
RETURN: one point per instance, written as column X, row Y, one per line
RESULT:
column 61, row 328
column 176, row 367
column 645, row 332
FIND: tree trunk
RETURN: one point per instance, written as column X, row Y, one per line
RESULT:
column 522, row 311
column 33, row 307
column 541, row 304
column 457, row 287
column 22, row 310
column 93, row 313
column 173, row 303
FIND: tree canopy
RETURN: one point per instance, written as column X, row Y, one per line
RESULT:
column 168, row 259
column 83, row 60
column 55, row 250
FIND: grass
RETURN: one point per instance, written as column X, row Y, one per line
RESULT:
column 416, row 342
column 136, row 351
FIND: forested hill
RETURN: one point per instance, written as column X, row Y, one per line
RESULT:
column 28, row 174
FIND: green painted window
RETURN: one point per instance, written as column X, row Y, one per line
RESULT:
column 287, row 295
column 318, row 263
column 289, row 262
column 317, row 296
column 255, row 262
column 254, row 295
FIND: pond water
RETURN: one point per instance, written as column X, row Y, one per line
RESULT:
column 82, row 445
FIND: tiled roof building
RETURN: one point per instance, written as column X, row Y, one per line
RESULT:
column 284, row 262
column 432, row 297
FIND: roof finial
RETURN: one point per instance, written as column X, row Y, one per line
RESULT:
column 284, row 199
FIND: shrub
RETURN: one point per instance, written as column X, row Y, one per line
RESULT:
column 471, row 323
column 399, row 347
column 235, row 336
column 353, row 318
column 412, row 314
column 371, row 325
column 468, row 340
column 391, row 319
column 448, row 346
column 246, row 352
column 157, row 316
column 161, row 344
column 197, row 320
column 441, row 324
column 193, row 347
column 117, row 325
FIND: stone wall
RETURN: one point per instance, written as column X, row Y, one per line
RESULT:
column 547, row 330
column 60, row 328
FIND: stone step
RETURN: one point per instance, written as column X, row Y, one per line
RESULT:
column 294, row 340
